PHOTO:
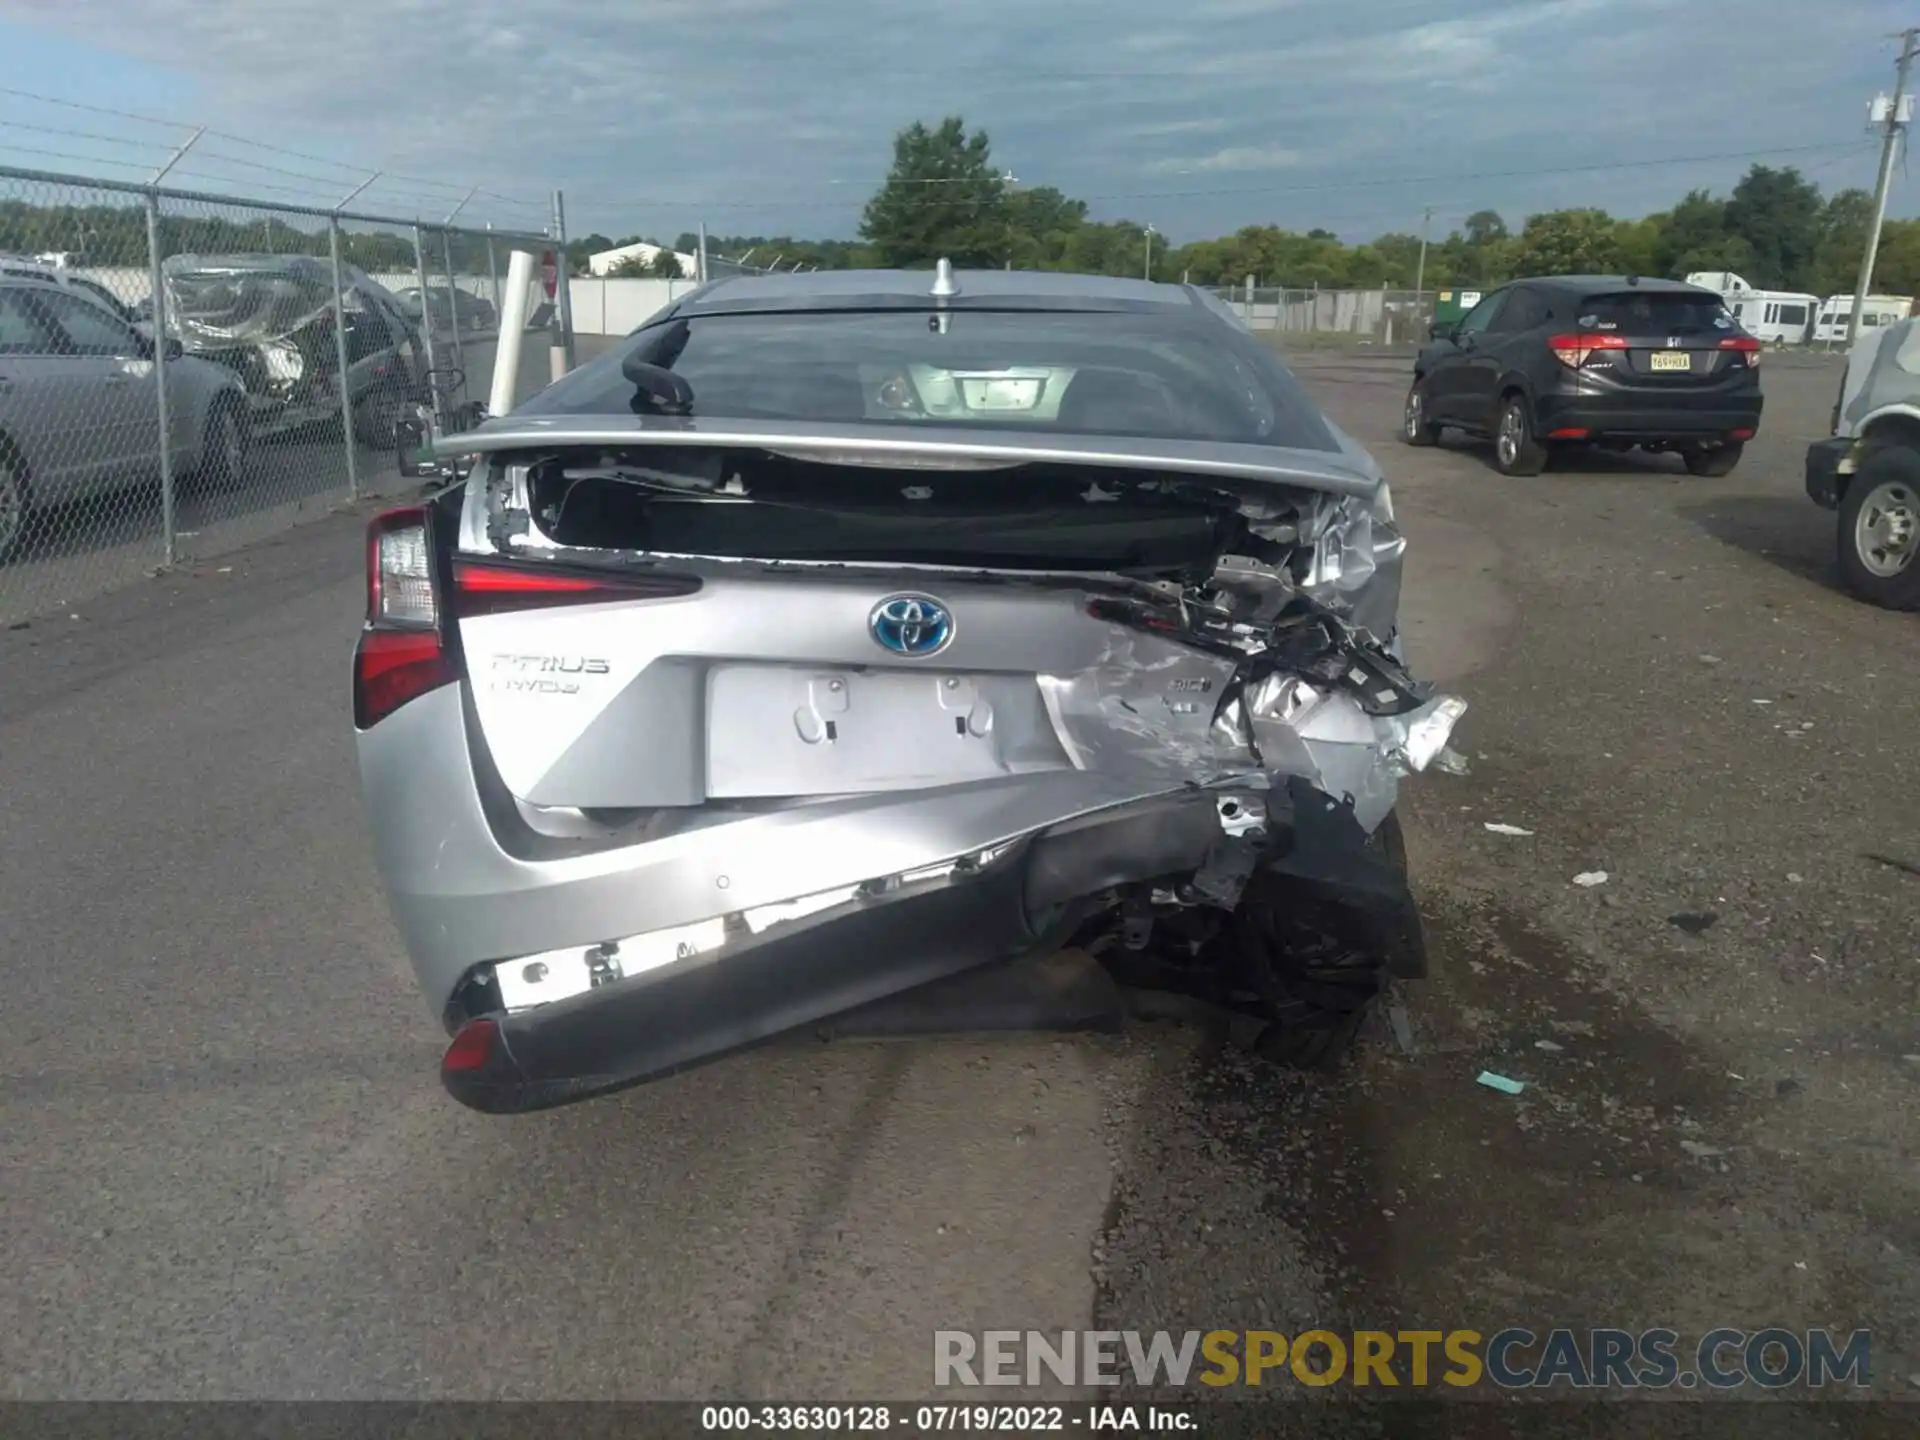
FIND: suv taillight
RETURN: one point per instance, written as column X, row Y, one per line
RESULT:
column 401, row 654
column 1572, row 350
column 1743, row 345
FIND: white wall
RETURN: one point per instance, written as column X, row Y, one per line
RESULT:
column 616, row 307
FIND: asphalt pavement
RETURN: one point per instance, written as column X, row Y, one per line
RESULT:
column 227, row 1169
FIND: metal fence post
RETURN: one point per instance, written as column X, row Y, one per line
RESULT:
column 493, row 269
column 426, row 319
column 453, row 311
column 340, row 358
column 563, row 272
column 168, row 527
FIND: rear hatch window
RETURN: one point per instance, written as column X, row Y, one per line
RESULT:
column 1670, row 337
column 1172, row 376
column 1694, row 316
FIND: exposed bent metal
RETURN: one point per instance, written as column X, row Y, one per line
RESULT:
column 836, row 635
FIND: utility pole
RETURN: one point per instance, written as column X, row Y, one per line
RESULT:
column 1420, row 271
column 1149, row 270
column 1895, row 121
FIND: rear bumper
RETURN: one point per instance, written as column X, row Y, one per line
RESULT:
column 1629, row 417
column 1825, row 482
column 598, row 929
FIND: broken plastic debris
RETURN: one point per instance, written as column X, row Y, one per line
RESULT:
column 1495, row 827
column 1402, row 1027
column 1699, row 1151
column 1587, row 879
column 1693, row 922
column 1548, row 1046
column 1500, row 1083
column 1450, row 762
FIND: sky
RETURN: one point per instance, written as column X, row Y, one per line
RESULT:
column 776, row 116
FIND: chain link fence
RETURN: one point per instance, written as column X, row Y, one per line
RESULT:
column 182, row 374
column 1335, row 317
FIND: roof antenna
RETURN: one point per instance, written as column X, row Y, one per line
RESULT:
column 943, row 290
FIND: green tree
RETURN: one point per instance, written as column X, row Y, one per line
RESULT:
column 942, row 198
column 1638, row 242
column 1485, row 227
column 1567, row 242
column 1692, row 236
column 1843, row 239
column 1896, row 266
column 1778, row 213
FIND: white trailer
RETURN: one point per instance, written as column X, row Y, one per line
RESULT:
column 1830, row 324
column 1775, row 317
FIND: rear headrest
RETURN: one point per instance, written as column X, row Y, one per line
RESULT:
column 1102, row 401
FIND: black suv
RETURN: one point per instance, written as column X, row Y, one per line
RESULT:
column 1606, row 360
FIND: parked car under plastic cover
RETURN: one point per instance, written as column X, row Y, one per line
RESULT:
column 1165, row 667
column 270, row 318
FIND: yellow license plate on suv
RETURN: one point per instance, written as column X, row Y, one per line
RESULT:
column 1672, row 360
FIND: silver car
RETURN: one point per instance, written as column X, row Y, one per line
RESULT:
column 78, row 411
column 839, row 633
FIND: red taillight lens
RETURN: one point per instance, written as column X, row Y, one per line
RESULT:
column 391, row 667
column 1745, row 345
column 401, row 655
column 472, row 1047
column 485, row 588
column 1572, row 350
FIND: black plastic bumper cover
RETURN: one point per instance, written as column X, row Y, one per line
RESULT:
column 648, row 1027
column 1824, row 481
column 651, row 1026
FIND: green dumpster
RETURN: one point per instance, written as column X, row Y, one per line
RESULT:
column 1450, row 305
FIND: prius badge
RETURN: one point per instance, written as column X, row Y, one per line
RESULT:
column 915, row 626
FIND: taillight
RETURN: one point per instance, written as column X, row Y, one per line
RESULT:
column 401, row 655
column 1745, row 345
column 471, row 1048
column 1572, row 350
column 488, row 588
column 400, row 590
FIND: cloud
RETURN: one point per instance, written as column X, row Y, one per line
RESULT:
column 762, row 116
column 1236, row 157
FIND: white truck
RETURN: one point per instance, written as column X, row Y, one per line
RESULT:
column 1868, row 469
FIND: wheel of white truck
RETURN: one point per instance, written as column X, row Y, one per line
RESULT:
column 1879, row 538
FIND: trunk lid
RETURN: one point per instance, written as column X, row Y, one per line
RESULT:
column 691, row 619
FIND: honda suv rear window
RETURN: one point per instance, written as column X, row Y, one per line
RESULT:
column 1180, row 376
column 1654, row 313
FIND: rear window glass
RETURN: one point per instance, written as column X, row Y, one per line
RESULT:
column 1175, row 377
column 1650, row 313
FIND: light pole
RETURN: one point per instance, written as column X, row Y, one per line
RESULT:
column 1010, row 180
column 1147, row 274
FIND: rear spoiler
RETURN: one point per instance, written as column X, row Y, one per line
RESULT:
column 1337, row 472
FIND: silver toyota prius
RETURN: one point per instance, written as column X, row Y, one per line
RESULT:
column 836, row 634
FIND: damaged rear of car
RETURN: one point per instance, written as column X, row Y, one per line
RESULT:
column 836, row 634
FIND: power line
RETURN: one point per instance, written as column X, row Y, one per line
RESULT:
column 353, row 170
